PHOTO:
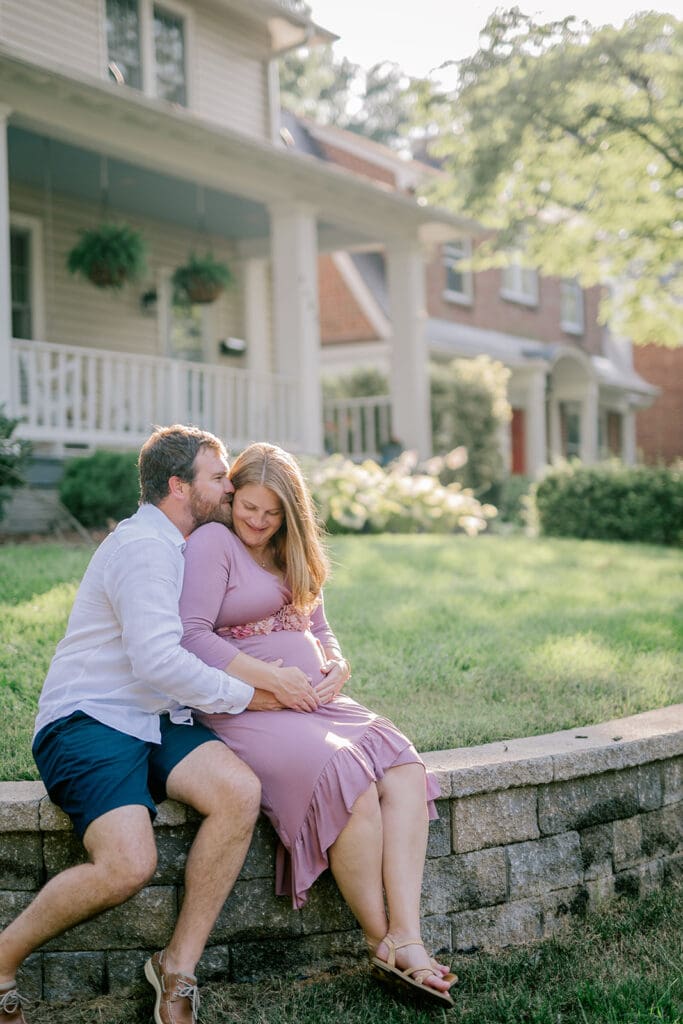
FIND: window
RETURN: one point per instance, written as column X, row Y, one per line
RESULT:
column 458, row 281
column 123, row 40
column 520, row 283
column 571, row 307
column 147, row 47
column 26, row 276
column 20, row 264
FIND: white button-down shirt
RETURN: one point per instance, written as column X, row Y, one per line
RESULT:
column 121, row 661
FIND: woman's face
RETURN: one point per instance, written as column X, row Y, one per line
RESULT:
column 257, row 514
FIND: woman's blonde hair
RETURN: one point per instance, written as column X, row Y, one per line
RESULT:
column 297, row 545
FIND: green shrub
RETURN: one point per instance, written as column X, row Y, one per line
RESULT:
column 469, row 408
column 101, row 487
column 364, row 382
column 509, row 496
column 14, row 454
column 611, row 502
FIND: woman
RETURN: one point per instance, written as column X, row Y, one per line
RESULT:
column 341, row 785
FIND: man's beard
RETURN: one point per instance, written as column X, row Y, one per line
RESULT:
column 204, row 511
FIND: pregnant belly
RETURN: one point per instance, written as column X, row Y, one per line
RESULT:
column 294, row 647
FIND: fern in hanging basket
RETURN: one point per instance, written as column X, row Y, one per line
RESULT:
column 109, row 255
column 201, row 279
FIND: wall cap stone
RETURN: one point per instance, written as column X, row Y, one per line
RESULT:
column 621, row 743
column 569, row 754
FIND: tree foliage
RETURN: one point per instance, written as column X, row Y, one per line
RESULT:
column 382, row 103
column 469, row 409
column 569, row 139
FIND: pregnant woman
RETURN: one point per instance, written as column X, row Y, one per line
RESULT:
column 341, row 785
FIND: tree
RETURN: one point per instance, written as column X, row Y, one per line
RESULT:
column 567, row 141
column 382, row 103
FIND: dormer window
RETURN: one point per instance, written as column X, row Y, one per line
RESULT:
column 147, row 47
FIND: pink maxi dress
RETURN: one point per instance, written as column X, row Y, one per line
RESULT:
column 312, row 766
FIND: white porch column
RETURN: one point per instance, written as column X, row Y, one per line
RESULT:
column 256, row 321
column 296, row 325
column 536, row 455
column 589, row 423
column 5, row 278
column 411, row 420
column 554, row 429
column 628, row 436
column 256, row 314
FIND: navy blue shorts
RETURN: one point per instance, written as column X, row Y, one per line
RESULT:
column 89, row 768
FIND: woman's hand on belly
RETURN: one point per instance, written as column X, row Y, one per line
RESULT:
column 335, row 673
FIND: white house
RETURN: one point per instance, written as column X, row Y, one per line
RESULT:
column 166, row 116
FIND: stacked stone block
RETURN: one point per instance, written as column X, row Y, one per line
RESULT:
column 531, row 833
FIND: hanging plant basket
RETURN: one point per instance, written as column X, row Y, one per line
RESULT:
column 202, row 279
column 109, row 255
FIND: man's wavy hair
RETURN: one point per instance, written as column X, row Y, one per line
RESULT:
column 171, row 451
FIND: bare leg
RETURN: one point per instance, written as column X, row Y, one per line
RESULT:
column 222, row 788
column 405, row 825
column 356, row 863
column 122, row 852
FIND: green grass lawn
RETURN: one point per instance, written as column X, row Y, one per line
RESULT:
column 623, row 965
column 458, row 640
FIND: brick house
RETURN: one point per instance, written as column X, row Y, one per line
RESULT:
column 573, row 388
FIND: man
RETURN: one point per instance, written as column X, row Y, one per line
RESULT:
column 114, row 732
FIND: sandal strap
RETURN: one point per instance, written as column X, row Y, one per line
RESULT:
column 394, row 946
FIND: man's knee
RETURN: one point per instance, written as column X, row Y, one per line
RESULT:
column 238, row 791
column 121, row 845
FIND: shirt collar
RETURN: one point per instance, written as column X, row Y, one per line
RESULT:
column 151, row 513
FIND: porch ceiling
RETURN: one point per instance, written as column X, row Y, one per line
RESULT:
column 73, row 171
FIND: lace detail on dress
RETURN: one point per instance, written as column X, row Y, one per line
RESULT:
column 288, row 617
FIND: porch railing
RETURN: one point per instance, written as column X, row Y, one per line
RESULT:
column 358, row 427
column 68, row 394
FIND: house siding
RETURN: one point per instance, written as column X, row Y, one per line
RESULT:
column 69, row 33
column 77, row 313
column 231, row 86
column 227, row 77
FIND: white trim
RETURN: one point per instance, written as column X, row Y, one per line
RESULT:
column 273, row 93
column 35, row 228
column 362, row 294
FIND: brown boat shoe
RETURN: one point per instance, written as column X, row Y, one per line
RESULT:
column 177, row 996
column 10, row 1004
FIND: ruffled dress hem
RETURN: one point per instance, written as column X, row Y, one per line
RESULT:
column 345, row 777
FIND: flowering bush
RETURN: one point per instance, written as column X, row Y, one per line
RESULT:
column 403, row 498
column 14, row 455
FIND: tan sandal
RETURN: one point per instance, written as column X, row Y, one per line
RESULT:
column 409, row 980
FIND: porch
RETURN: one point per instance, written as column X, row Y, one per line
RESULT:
column 71, row 396
column 85, row 367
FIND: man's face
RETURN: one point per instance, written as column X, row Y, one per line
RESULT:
column 211, row 491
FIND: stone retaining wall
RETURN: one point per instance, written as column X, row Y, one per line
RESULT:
column 531, row 832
